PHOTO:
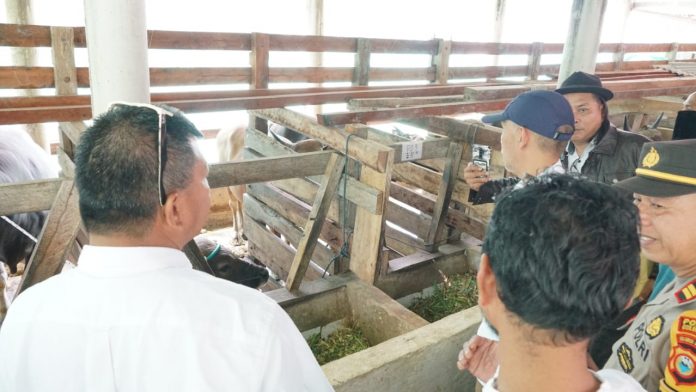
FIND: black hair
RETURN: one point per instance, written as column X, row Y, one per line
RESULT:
column 565, row 254
column 116, row 167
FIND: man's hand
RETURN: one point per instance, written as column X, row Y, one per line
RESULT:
column 475, row 176
column 479, row 356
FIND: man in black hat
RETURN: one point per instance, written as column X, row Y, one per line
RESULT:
column 659, row 347
column 597, row 149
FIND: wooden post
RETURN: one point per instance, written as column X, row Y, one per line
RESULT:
column 361, row 73
column 56, row 237
column 444, row 196
column 368, row 237
column 534, row 59
column 260, row 44
column 441, row 61
column 619, row 57
column 325, row 195
column 64, row 75
column 672, row 55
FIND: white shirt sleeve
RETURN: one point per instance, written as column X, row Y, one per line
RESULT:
column 290, row 364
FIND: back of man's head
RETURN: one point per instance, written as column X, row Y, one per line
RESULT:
column 564, row 253
column 116, row 167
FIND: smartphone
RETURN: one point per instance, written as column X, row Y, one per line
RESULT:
column 481, row 156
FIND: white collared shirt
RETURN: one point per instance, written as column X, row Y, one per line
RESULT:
column 575, row 161
column 141, row 319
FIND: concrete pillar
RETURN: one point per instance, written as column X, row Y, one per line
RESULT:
column 582, row 44
column 20, row 12
column 117, row 49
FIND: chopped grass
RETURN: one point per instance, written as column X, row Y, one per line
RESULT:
column 454, row 294
column 344, row 341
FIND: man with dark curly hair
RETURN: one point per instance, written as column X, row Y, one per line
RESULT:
column 560, row 259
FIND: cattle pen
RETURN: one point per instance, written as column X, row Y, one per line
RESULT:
column 374, row 217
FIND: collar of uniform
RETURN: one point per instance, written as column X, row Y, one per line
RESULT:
column 108, row 261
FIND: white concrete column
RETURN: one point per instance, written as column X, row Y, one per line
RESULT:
column 117, row 49
column 582, row 43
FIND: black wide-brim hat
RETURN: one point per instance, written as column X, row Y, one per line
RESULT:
column 666, row 169
column 581, row 82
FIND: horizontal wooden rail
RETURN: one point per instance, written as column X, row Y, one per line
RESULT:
column 26, row 110
column 410, row 112
column 39, row 195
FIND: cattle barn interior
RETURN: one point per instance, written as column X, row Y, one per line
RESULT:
column 376, row 210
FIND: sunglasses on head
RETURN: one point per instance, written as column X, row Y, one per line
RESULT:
column 162, row 115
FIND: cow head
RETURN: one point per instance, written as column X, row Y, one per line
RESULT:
column 227, row 266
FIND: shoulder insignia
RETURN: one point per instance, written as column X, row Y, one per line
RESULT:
column 654, row 328
column 680, row 371
column 625, row 356
column 686, row 293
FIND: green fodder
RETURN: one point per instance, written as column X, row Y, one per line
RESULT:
column 454, row 294
column 344, row 341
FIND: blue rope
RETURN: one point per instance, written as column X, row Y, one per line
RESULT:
column 214, row 253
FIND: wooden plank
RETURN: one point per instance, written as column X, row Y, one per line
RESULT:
column 358, row 193
column 325, row 195
column 469, row 131
column 444, row 196
column 411, row 112
column 26, row 110
column 258, row 211
column 371, row 154
column 267, row 169
column 459, row 219
column 294, row 211
column 400, row 242
column 361, row 73
column 489, row 48
column 260, row 44
column 28, row 196
column 451, row 259
column 56, row 238
column 413, row 221
column 369, row 228
column 441, row 61
column 374, row 103
column 65, row 79
column 271, row 251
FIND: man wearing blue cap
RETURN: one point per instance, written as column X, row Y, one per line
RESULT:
column 598, row 150
column 537, row 126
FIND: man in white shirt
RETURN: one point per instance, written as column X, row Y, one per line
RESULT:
column 560, row 259
column 134, row 315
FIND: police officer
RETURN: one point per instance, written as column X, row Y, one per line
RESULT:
column 659, row 347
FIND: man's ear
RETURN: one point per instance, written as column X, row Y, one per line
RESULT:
column 523, row 136
column 172, row 210
column 485, row 279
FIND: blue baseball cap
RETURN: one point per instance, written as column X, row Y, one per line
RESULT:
column 546, row 113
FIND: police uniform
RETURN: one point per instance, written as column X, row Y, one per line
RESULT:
column 650, row 351
column 659, row 347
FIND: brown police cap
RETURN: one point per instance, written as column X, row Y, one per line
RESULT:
column 665, row 169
